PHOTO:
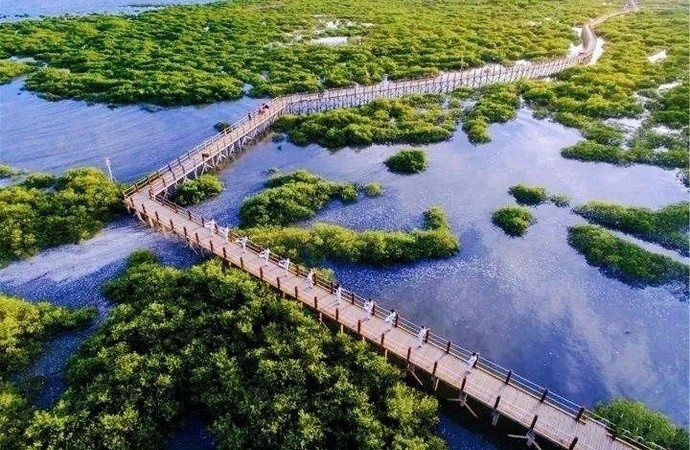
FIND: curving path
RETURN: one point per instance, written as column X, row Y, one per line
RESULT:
column 544, row 414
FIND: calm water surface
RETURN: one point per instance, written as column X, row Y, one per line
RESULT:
column 11, row 10
column 531, row 304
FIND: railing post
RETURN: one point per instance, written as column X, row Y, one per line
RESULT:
column 448, row 347
column 433, row 372
column 572, row 444
column 225, row 253
column 197, row 239
column 210, row 242
column 278, row 282
column 242, row 262
column 352, row 298
column 184, row 229
column 172, row 225
column 359, row 326
column 462, row 386
column 337, row 314
column 261, row 272
column 580, row 413
column 203, row 222
column 534, row 422
column 189, row 215
column 510, row 374
column 543, row 396
column 296, row 293
column 383, row 336
column 316, row 302
column 158, row 219
column 498, row 400
column 396, row 320
column 409, row 352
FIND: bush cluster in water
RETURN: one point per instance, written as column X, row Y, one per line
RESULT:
column 408, row 161
column 44, row 211
column 667, row 226
column 497, row 103
column 373, row 189
column 528, row 195
column 380, row 248
column 291, row 198
column 624, row 260
column 514, row 220
column 414, row 119
column 197, row 190
column 262, row 372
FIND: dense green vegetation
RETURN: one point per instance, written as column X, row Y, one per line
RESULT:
column 624, row 260
column 373, row 189
column 24, row 329
column 584, row 96
column 374, row 247
column 651, row 426
column 291, row 198
column 408, row 161
column 528, row 195
column 195, row 191
column 12, row 69
column 414, row 119
column 205, row 53
column 667, row 226
column 497, row 103
column 261, row 371
column 75, row 207
column 514, row 220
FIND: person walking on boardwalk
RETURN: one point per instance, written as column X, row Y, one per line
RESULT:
column 310, row 278
column 243, row 242
column 224, row 232
column 285, row 264
column 391, row 318
column 471, row 361
column 369, row 308
column 265, row 254
column 338, row 293
column 421, row 336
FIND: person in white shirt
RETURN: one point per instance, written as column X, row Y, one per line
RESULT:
column 390, row 319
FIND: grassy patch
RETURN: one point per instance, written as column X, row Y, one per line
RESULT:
column 195, row 191
column 12, row 69
column 373, row 189
column 624, row 260
column 408, row 161
column 513, row 220
column 667, row 226
column 497, row 103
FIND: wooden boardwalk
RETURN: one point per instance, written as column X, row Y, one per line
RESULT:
column 543, row 414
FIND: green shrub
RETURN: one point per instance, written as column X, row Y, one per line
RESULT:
column 667, row 226
column 182, row 340
column 513, row 220
column 141, row 257
column 624, row 260
column 497, row 103
column 12, row 69
column 593, row 151
column 293, row 197
column 379, row 248
column 633, row 417
column 373, row 189
column 8, row 171
column 77, row 207
column 560, row 200
column 414, row 119
column 528, row 195
column 39, row 180
column 408, row 161
column 195, row 191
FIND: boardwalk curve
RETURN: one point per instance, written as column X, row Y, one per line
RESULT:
column 543, row 413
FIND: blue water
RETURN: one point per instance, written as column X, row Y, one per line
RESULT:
column 531, row 304
column 11, row 10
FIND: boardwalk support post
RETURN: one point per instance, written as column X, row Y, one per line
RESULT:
column 210, row 244
column 261, row 273
column 242, row 262
column 316, row 302
column 296, row 293
column 433, row 371
column 278, row 282
column 534, row 422
column 337, row 314
column 225, row 255
column 383, row 336
column 572, row 444
column 359, row 326
column 409, row 351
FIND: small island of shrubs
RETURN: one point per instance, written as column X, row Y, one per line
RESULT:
column 293, row 197
column 408, row 161
column 45, row 211
column 624, row 260
column 514, row 220
column 195, row 191
column 667, row 226
column 528, row 195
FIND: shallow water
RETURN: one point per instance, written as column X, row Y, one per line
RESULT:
column 531, row 304
column 11, row 10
